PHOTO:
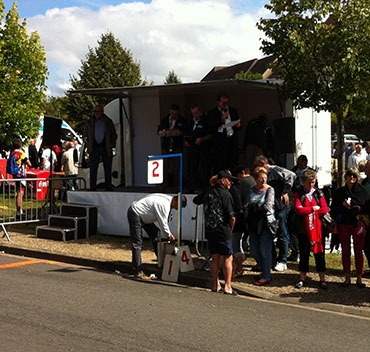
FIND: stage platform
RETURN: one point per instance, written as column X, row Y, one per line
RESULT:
column 113, row 206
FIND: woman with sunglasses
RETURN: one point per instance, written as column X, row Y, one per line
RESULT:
column 349, row 202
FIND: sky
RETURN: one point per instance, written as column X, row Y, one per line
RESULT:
column 187, row 36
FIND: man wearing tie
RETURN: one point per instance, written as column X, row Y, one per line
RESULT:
column 171, row 130
column 223, row 122
column 198, row 151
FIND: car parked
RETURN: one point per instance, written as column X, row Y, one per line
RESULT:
column 347, row 138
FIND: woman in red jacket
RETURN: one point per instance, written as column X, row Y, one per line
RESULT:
column 310, row 205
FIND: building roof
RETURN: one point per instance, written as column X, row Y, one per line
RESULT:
column 254, row 66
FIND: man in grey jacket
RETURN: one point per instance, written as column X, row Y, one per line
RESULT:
column 100, row 137
column 142, row 214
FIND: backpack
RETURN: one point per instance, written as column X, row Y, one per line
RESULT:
column 12, row 167
column 213, row 211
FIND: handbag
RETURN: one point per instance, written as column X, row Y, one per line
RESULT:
column 273, row 227
column 327, row 221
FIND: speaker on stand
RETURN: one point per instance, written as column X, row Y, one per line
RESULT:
column 52, row 131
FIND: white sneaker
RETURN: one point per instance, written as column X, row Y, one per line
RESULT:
column 281, row 267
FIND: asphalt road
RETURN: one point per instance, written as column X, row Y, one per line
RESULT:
column 57, row 307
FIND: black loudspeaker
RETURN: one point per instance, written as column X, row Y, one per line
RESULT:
column 285, row 135
column 52, row 130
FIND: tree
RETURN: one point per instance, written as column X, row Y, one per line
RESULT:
column 323, row 56
column 172, row 78
column 248, row 75
column 23, row 75
column 56, row 106
column 108, row 65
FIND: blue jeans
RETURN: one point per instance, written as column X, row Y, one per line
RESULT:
column 99, row 151
column 136, row 226
column 283, row 237
column 261, row 250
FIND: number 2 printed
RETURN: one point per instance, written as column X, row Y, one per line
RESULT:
column 155, row 168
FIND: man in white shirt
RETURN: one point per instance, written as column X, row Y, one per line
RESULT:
column 68, row 166
column 142, row 214
column 45, row 158
column 356, row 157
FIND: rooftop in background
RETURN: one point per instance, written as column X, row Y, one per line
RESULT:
column 253, row 66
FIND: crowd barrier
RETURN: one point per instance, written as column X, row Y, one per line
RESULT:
column 201, row 247
column 41, row 197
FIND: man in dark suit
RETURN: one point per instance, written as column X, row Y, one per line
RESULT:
column 100, row 137
column 198, row 151
column 171, row 130
column 223, row 122
column 33, row 155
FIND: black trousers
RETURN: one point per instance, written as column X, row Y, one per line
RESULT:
column 304, row 255
column 136, row 233
column 198, row 168
column 294, row 244
column 226, row 153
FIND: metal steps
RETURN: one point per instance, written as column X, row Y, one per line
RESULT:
column 75, row 221
column 58, row 233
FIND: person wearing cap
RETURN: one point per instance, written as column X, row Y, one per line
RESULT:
column 142, row 214
column 219, row 223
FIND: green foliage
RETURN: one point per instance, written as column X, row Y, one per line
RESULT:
column 23, row 75
column 248, row 75
column 56, row 106
column 324, row 64
column 172, row 78
column 108, row 65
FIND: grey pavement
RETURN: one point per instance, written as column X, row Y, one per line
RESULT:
column 197, row 278
column 58, row 307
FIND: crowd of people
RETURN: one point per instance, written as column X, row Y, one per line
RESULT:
column 278, row 206
column 279, row 209
column 270, row 207
column 62, row 159
column 209, row 142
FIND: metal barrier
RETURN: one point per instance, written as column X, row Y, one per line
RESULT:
column 39, row 194
column 199, row 232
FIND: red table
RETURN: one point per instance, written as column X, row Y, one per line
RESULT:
column 40, row 187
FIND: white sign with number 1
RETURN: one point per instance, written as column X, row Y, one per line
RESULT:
column 155, row 171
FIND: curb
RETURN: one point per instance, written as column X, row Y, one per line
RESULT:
column 332, row 307
column 188, row 279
